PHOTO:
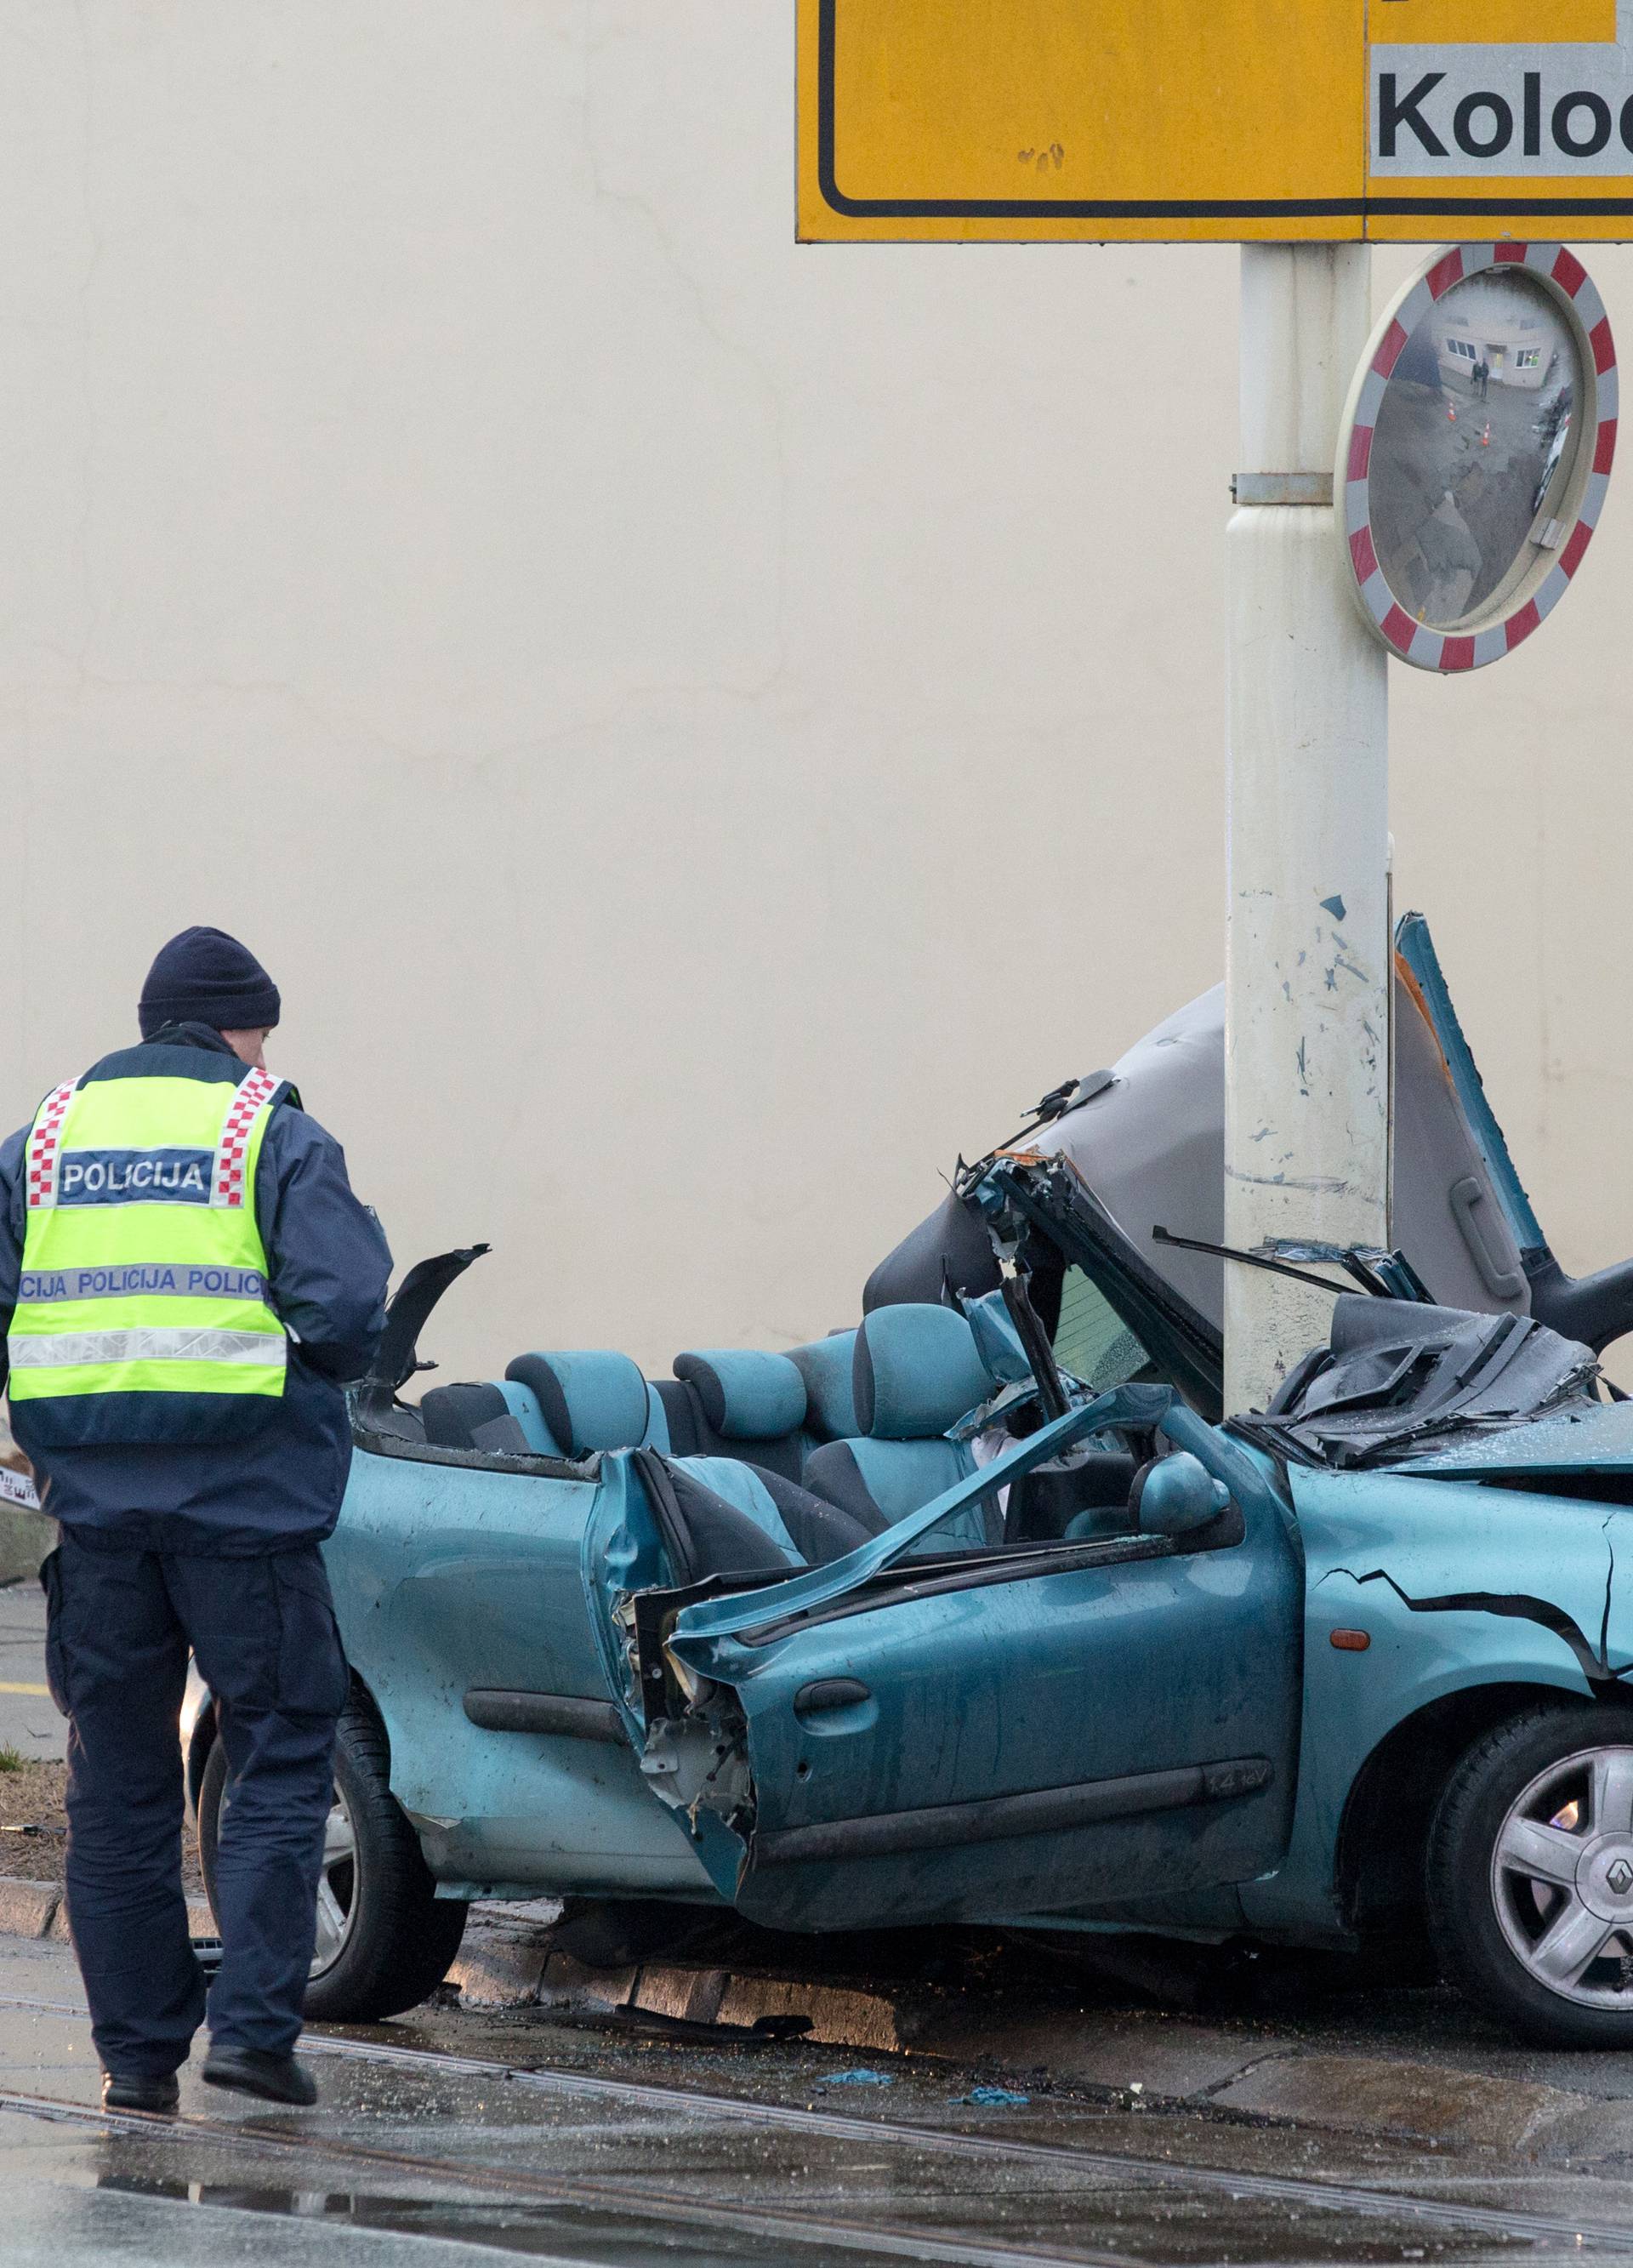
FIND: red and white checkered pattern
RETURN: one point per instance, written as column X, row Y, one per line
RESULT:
column 1413, row 641
column 255, row 1091
column 44, row 1150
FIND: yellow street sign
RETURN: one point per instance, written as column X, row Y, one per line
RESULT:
column 1205, row 120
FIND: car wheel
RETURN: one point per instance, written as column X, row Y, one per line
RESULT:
column 1530, row 1875
column 384, row 1940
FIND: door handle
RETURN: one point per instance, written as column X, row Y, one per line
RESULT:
column 829, row 1693
column 1502, row 1282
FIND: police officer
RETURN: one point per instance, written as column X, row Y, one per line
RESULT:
column 187, row 1282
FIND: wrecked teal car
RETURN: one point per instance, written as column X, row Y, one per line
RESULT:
column 977, row 1612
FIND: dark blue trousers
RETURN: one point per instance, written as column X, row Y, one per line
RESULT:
column 262, row 1631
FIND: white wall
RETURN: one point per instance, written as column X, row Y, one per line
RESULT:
column 701, row 729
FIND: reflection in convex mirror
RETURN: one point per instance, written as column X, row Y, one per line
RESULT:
column 1473, row 445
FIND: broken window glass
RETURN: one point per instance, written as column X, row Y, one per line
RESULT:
column 1092, row 1341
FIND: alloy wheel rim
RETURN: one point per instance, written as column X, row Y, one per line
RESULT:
column 337, row 1888
column 1562, row 1878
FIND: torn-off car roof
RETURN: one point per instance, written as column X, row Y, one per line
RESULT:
column 1397, row 1376
column 1151, row 1143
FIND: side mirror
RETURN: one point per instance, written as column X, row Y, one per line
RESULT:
column 1177, row 1495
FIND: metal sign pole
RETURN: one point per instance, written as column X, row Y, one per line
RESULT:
column 1308, row 951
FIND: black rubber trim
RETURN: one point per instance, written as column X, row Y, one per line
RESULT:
column 1148, row 208
column 1045, row 1811
column 657, row 1480
column 562, row 1714
column 376, row 1444
column 409, row 1310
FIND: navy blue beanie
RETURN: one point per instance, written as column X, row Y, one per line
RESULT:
column 204, row 977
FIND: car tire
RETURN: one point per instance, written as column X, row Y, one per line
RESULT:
column 1530, row 1875
column 386, row 1940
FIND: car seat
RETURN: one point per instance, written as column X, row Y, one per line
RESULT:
column 720, row 1516
column 500, row 1420
column 596, row 1399
column 825, row 1364
column 732, row 1401
column 915, row 1371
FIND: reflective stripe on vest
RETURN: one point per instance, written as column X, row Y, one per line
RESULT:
column 143, row 1272
column 60, row 1350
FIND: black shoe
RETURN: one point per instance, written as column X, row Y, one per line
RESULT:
column 160, row 2094
column 252, row 2071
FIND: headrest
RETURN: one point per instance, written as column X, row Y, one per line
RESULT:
column 824, row 1365
column 997, row 1341
column 915, row 1372
column 523, row 1404
column 745, row 1396
column 472, row 1417
column 592, row 1401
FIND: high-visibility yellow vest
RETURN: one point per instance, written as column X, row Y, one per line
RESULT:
column 142, row 1315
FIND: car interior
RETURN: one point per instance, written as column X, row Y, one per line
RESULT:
column 769, row 1461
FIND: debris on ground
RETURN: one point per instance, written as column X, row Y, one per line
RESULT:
column 31, row 1796
column 33, row 1827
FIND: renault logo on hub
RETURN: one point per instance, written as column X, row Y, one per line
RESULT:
column 1619, row 1874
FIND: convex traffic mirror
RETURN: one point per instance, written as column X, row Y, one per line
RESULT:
column 1476, row 450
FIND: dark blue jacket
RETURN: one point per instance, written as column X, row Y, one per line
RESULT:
column 327, row 1265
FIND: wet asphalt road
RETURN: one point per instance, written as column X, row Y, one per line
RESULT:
column 625, row 2150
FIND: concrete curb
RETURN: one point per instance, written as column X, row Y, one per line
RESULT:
column 1145, row 2061
column 1362, row 2095
column 27, row 1909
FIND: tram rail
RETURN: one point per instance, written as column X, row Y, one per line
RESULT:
column 815, row 2226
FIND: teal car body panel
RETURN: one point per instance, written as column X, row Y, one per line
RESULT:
column 1054, row 1682
column 1456, row 1586
column 446, row 1578
column 983, row 1683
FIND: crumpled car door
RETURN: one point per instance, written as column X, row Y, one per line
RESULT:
column 1028, row 1729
